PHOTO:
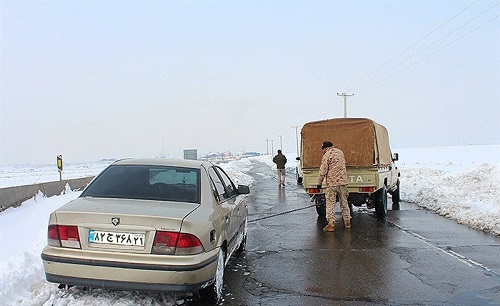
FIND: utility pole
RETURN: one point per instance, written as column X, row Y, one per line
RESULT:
column 272, row 146
column 345, row 101
column 281, row 142
column 267, row 146
column 163, row 149
column 297, row 138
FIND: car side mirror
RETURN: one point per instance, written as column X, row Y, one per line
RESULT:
column 243, row 189
column 395, row 157
column 298, row 158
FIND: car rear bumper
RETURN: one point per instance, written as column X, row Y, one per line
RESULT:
column 121, row 285
column 190, row 273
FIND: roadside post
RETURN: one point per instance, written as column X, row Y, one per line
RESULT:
column 60, row 166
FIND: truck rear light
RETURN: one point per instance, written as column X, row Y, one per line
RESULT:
column 313, row 190
column 64, row 236
column 367, row 189
column 169, row 243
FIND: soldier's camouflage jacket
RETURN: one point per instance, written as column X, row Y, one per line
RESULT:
column 333, row 168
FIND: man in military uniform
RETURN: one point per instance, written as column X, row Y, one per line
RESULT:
column 333, row 168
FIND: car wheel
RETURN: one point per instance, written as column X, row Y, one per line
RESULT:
column 213, row 293
column 351, row 212
column 395, row 198
column 243, row 244
column 381, row 204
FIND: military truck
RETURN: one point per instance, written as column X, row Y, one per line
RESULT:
column 371, row 171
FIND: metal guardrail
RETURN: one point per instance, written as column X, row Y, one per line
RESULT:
column 15, row 196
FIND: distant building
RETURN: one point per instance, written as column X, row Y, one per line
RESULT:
column 191, row 154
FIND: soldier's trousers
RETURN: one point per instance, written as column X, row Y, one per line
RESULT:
column 331, row 198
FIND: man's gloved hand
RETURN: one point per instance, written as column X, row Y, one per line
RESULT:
column 319, row 187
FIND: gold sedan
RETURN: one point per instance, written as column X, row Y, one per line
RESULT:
column 149, row 224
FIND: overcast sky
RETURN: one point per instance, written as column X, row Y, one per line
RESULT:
column 115, row 79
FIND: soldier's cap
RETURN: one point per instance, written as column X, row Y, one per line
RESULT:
column 326, row 144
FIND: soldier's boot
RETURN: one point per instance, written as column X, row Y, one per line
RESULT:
column 347, row 223
column 330, row 227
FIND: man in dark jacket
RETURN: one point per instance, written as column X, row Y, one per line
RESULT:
column 280, row 161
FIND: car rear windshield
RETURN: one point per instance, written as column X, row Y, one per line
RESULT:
column 147, row 183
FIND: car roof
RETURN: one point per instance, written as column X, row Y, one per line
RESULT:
column 164, row 162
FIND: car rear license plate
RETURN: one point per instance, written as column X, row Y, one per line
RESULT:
column 134, row 239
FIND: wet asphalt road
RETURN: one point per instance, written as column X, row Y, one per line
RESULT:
column 415, row 258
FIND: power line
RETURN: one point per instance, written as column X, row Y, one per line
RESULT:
column 364, row 86
column 376, row 69
column 318, row 110
column 490, row 20
column 432, row 44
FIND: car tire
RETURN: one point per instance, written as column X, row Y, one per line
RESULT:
column 395, row 198
column 243, row 244
column 213, row 293
column 381, row 204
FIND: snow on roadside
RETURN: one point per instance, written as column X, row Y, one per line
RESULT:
column 238, row 171
column 20, row 264
column 19, row 175
column 460, row 183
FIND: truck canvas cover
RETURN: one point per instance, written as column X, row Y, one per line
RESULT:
column 364, row 142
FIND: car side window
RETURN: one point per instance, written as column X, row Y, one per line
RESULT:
column 228, row 184
column 219, row 186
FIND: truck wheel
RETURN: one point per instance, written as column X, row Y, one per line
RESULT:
column 321, row 210
column 350, row 209
column 381, row 204
column 395, row 198
column 299, row 179
column 320, row 202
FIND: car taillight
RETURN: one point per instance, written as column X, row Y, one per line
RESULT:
column 63, row 236
column 53, row 236
column 188, row 244
column 176, row 243
column 165, row 242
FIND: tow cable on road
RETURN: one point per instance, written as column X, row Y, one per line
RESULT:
column 281, row 213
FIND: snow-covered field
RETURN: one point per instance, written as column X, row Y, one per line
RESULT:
column 461, row 183
column 18, row 175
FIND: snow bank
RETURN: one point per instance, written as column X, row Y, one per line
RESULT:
column 460, row 183
column 26, row 174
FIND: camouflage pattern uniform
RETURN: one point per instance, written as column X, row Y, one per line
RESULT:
column 334, row 169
